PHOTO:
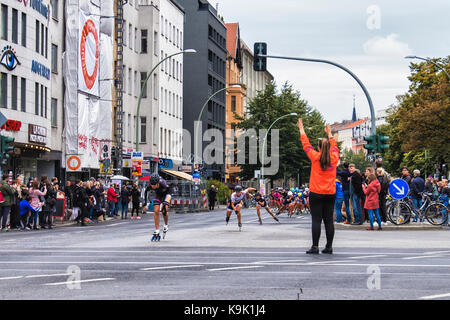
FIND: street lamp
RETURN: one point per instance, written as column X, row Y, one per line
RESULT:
column 265, row 137
column 206, row 103
column 144, row 87
column 429, row 61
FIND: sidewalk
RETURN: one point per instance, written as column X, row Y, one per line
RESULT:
column 391, row 226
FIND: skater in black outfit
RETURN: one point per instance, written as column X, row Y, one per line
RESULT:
column 161, row 203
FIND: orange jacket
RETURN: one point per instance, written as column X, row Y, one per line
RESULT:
column 321, row 182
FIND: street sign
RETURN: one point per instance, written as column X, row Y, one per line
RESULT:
column 398, row 189
column 3, row 119
column 196, row 177
column 262, row 186
column 73, row 163
column 137, row 156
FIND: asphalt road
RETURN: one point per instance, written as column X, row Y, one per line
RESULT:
column 204, row 259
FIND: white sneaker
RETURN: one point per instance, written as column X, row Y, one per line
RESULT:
column 166, row 228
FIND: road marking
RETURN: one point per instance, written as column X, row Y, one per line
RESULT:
column 172, row 267
column 363, row 257
column 436, row 296
column 48, row 275
column 78, row 281
column 323, row 262
column 234, row 268
column 277, row 261
column 114, row 224
column 10, row 278
column 423, row 257
column 436, row 252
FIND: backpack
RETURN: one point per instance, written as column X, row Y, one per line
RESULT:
column 2, row 199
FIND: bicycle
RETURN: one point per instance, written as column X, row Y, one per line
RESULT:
column 400, row 212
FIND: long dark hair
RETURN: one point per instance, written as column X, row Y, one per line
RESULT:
column 325, row 160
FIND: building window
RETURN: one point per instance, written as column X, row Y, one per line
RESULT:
column 54, row 10
column 155, row 131
column 14, row 92
column 54, row 58
column 42, row 100
column 135, row 40
column 54, row 108
column 4, row 86
column 15, row 26
column 36, row 98
column 42, row 39
column 38, row 29
column 233, row 103
column 155, row 87
column 23, row 95
column 144, row 41
column 129, row 127
column 46, row 42
column 130, row 35
column 155, row 42
column 143, row 84
column 24, row 30
column 130, row 82
column 4, row 22
column 45, row 102
column 143, row 129
column 136, row 86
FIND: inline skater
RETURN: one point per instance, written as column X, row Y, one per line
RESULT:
column 161, row 203
column 262, row 203
column 236, row 202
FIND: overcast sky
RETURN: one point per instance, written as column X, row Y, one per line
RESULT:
column 370, row 38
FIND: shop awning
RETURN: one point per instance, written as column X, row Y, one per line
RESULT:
column 178, row 174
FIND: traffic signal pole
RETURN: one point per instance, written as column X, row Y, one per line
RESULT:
column 369, row 99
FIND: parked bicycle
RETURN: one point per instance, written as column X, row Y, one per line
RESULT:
column 400, row 212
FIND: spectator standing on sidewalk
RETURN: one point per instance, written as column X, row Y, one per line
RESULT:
column 36, row 203
column 112, row 200
column 345, row 180
column 406, row 176
column 417, row 188
column 124, row 199
column 136, row 201
column 49, row 207
column 339, row 201
column 372, row 189
column 384, row 183
column 5, row 206
column 356, row 193
column 212, row 194
column 322, row 186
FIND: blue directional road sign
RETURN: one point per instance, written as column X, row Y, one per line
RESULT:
column 398, row 189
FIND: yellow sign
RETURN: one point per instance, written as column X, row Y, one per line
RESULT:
column 102, row 171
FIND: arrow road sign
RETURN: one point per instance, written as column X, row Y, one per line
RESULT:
column 398, row 189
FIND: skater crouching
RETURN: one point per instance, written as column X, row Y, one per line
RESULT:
column 161, row 203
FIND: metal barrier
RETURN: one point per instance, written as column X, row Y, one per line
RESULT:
column 186, row 196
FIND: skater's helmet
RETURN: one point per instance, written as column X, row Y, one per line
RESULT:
column 238, row 188
column 290, row 193
column 257, row 195
column 154, row 179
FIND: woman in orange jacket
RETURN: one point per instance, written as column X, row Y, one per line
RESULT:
column 322, row 186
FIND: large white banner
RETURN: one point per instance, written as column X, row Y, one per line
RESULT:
column 88, row 53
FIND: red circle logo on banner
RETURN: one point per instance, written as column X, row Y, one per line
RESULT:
column 89, row 27
column 73, row 163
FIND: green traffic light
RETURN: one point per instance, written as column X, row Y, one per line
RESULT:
column 371, row 142
column 382, row 143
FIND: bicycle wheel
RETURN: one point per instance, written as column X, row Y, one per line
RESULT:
column 399, row 213
column 436, row 214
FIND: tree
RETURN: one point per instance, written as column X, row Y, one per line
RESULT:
column 418, row 124
column 263, row 110
column 358, row 159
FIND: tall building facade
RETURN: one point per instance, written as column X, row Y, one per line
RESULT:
column 171, row 81
column 204, row 75
column 235, row 99
column 27, row 98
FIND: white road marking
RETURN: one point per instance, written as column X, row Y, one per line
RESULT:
column 436, row 296
column 234, row 268
column 325, row 262
column 277, row 261
column 48, row 275
column 78, row 281
column 10, row 278
column 423, row 257
column 363, row 257
column 172, row 267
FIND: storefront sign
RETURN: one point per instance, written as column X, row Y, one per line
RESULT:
column 40, row 69
column 163, row 163
column 11, row 125
column 37, row 134
column 9, row 59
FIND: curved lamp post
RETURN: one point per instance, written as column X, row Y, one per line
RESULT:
column 265, row 137
column 144, row 86
column 206, row 103
column 429, row 61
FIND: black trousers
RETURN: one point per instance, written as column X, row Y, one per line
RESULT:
column 212, row 202
column 322, row 207
column 47, row 218
column 135, row 208
column 383, row 208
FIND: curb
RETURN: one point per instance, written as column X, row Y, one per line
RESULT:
column 390, row 227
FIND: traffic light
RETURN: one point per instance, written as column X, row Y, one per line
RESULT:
column 260, row 63
column 382, row 143
column 371, row 144
column 5, row 148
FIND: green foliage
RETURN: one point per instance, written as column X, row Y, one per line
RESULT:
column 263, row 110
column 224, row 192
column 359, row 159
column 418, row 124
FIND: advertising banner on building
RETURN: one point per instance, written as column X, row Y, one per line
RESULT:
column 88, row 53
